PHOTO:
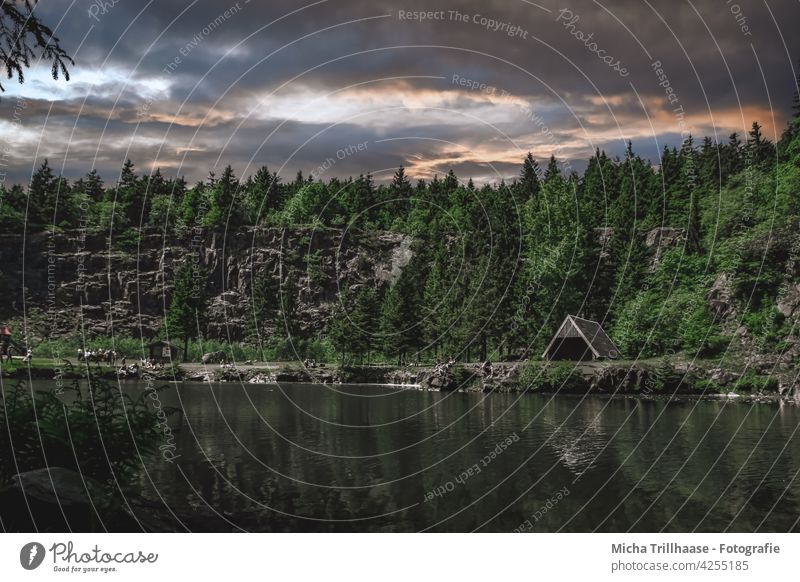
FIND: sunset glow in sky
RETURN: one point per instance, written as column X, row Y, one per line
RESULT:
column 192, row 86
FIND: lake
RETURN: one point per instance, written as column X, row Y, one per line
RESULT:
column 301, row 457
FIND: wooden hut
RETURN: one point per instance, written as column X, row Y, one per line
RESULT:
column 580, row 339
column 164, row 352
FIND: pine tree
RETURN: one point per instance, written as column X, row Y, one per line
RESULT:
column 26, row 40
column 42, row 195
column 732, row 161
column 552, row 169
column 450, row 182
column 222, row 194
column 399, row 313
column 358, row 201
column 340, row 332
column 187, row 310
column 624, row 212
column 433, row 309
column 529, row 178
column 597, row 190
column 365, row 318
column 759, row 149
column 92, row 186
column 129, row 202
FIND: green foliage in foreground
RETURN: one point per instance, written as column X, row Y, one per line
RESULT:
column 93, row 427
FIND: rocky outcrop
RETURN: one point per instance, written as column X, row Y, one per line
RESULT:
column 788, row 303
column 721, row 296
column 659, row 240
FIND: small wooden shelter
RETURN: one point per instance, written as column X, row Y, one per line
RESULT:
column 164, row 352
column 580, row 339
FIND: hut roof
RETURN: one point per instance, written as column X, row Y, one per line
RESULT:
column 592, row 333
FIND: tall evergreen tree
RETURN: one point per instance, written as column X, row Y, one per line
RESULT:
column 731, row 158
column 42, row 195
column 186, row 315
column 223, row 200
column 398, row 322
column 529, row 178
column 552, row 169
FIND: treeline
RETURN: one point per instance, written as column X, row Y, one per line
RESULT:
column 496, row 267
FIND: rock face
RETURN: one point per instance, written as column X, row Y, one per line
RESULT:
column 76, row 282
column 720, row 298
column 789, row 302
column 659, row 240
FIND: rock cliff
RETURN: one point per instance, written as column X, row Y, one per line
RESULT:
column 75, row 281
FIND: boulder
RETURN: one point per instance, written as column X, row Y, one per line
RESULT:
column 56, row 499
column 213, row 357
column 723, row 377
column 662, row 239
column 720, row 298
column 789, row 302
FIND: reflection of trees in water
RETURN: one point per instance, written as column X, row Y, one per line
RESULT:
column 702, row 472
column 575, row 433
column 362, row 488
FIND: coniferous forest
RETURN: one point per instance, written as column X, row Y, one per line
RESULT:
column 636, row 244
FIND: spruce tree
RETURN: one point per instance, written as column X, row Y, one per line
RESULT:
column 42, row 195
column 529, row 178
column 187, row 309
column 552, row 169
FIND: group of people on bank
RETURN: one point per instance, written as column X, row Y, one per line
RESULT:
column 93, row 355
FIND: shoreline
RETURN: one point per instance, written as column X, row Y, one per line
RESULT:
column 610, row 381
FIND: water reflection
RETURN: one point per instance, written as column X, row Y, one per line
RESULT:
column 307, row 458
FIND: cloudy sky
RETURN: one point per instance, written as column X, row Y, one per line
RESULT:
column 190, row 86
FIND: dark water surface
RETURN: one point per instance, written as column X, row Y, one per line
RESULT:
column 380, row 458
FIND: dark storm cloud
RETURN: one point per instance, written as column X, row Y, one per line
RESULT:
column 171, row 77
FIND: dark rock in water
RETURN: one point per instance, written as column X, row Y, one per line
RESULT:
column 58, row 500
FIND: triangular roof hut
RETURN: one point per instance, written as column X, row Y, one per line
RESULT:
column 161, row 351
column 580, row 339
